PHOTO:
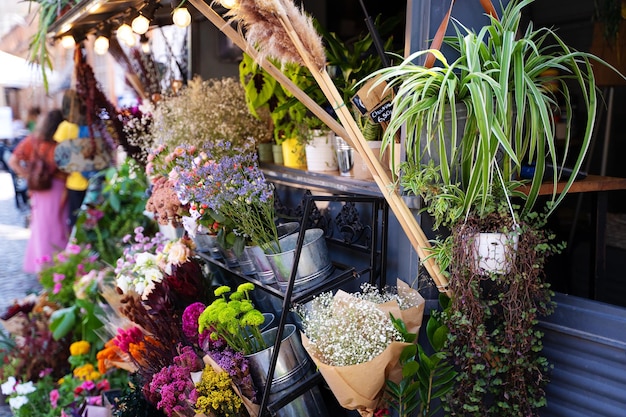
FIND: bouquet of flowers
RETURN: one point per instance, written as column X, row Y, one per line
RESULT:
column 235, row 188
column 235, row 320
column 221, row 358
column 354, row 343
column 212, row 113
column 165, row 167
column 136, row 122
column 138, row 269
column 172, row 389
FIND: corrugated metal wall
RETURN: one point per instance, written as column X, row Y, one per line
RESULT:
column 585, row 341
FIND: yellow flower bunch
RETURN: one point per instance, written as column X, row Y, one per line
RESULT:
column 80, row 348
column 86, row 372
column 216, row 395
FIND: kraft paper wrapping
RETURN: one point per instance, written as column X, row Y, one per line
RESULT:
column 253, row 409
column 360, row 387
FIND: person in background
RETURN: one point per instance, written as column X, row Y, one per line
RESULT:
column 69, row 128
column 49, row 209
column 31, row 118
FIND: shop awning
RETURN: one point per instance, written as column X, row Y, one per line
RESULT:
column 17, row 72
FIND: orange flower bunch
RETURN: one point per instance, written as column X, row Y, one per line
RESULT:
column 109, row 356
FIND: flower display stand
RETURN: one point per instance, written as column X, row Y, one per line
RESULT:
column 270, row 402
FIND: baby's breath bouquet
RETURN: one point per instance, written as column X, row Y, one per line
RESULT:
column 234, row 319
column 354, row 342
column 209, row 112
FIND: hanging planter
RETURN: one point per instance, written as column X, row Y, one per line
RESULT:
column 494, row 252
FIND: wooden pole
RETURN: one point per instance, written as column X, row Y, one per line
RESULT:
column 348, row 130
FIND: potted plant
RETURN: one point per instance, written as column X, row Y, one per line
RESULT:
column 472, row 123
column 265, row 95
column 484, row 116
column 348, row 64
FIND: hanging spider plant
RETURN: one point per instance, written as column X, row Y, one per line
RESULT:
column 498, row 82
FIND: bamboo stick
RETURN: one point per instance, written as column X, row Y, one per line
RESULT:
column 348, row 130
column 408, row 222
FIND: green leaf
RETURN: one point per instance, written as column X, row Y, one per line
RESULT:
column 409, row 369
column 62, row 322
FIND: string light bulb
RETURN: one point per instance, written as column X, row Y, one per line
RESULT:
column 125, row 33
column 140, row 24
column 101, row 45
column 181, row 17
column 131, row 41
column 68, row 42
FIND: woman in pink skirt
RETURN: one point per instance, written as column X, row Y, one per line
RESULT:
column 49, row 233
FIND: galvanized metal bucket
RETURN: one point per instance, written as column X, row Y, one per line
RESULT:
column 262, row 267
column 292, row 366
column 314, row 265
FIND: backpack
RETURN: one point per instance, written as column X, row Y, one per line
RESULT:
column 39, row 177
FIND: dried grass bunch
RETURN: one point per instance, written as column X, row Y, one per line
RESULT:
column 211, row 112
column 263, row 23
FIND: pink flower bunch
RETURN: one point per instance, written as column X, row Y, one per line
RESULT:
column 93, row 216
column 163, row 163
column 125, row 337
column 190, row 321
column 68, row 267
column 172, row 389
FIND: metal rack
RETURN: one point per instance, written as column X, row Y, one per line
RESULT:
column 342, row 274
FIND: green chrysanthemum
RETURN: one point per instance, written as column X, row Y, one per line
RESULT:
column 219, row 291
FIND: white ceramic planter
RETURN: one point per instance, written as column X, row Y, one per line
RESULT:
column 494, row 252
column 320, row 153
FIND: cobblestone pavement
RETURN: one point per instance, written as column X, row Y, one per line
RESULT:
column 14, row 283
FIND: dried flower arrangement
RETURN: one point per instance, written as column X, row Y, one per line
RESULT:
column 352, row 339
column 209, row 112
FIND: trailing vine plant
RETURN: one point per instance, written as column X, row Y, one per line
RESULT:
column 492, row 321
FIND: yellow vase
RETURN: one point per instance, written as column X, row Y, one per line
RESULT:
column 293, row 154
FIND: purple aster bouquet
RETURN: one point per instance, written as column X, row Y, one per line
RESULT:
column 233, row 187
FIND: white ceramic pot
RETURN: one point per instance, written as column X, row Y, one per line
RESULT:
column 494, row 252
column 320, row 153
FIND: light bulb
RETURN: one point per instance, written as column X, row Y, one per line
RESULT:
column 101, row 45
column 125, row 32
column 140, row 24
column 181, row 17
column 68, row 42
